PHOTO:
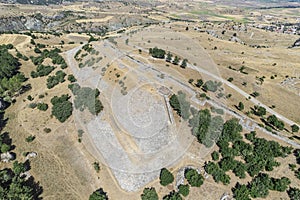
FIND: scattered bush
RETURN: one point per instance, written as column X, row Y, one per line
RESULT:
column 30, row 138
column 47, row 130
column 42, row 106
column 55, row 80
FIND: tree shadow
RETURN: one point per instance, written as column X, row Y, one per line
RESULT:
column 37, row 189
column 3, row 121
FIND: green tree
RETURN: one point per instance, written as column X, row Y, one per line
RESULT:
column 230, row 79
column 273, row 120
column 86, row 97
column 211, row 86
column 191, row 81
column 295, row 128
column 30, row 138
column 98, row 195
column 166, row 177
column 42, row 106
column 201, row 127
column 259, row 186
column 149, row 194
column 184, row 63
column 62, row 108
column 241, row 106
column 193, row 177
column 227, row 164
column 184, row 190
column 294, row 193
column 18, row 168
column 215, row 156
column 280, row 184
column 172, row 196
column 96, row 166
column 260, row 111
column 157, row 53
column 241, row 192
column 255, row 94
column 169, row 57
column 5, row 148
column 199, row 83
column 176, row 60
column 9, row 65
column 240, row 169
column 71, row 78
column 180, row 105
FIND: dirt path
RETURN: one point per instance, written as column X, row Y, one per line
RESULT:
column 246, row 95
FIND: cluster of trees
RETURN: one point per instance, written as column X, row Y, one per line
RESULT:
column 14, row 185
column 42, row 70
column 263, row 155
column 161, row 54
column 157, row 53
column 86, row 97
column 9, row 65
column 10, row 86
column 259, row 187
column 294, row 193
column 275, row 122
column 53, row 55
column 11, row 79
column 62, row 108
column 206, row 128
column 21, row 56
column 180, row 105
column 211, row 86
column 218, row 174
column 259, row 155
column 176, row 60
column 87, row 47
column 98, row 195
column 166, row 177
column 193, row 177
column 55, row 80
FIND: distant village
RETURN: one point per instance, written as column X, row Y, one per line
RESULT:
column 278, row 26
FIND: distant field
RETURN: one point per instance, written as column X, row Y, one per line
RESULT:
column 105, row 19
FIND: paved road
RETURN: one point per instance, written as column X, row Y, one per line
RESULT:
column 246, row 95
